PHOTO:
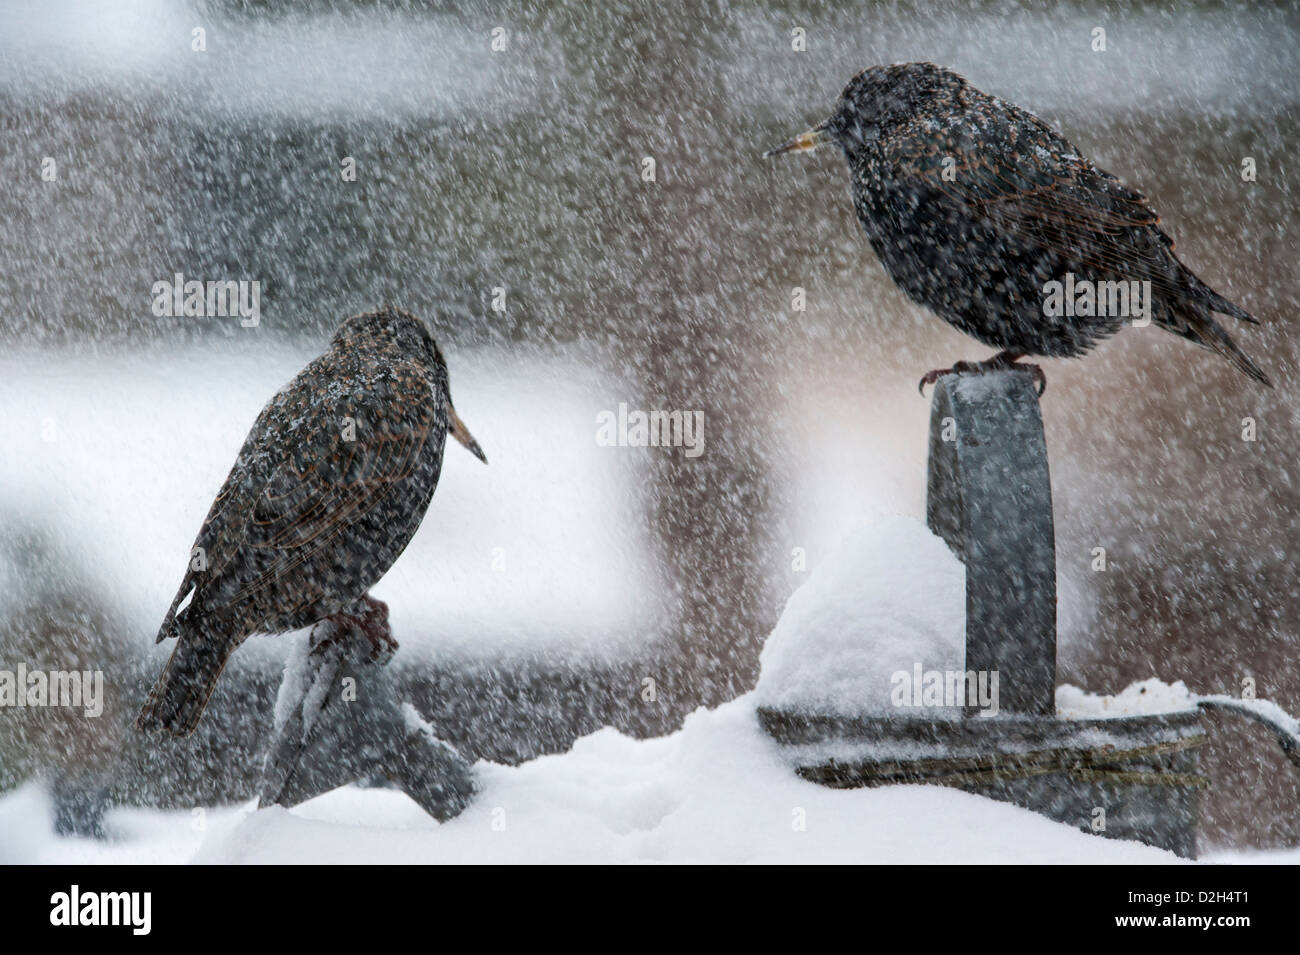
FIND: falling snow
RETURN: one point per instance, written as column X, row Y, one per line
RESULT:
column 588, row 624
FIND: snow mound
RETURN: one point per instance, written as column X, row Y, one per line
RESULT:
column 892, row 595
column 716, row 791
column 1137, row 699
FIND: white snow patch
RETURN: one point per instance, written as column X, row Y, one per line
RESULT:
column 718, row 790
column 1138, row 699
column 890, row 596
column 1265, row 710
column 295, row 671
column 135, row 836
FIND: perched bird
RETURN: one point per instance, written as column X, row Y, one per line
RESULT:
column 327, row 491
column 974, row 206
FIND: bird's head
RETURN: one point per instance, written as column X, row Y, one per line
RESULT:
column 400, row 331
column 875, row 101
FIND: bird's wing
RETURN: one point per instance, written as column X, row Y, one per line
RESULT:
column 224, row 526
column 315, row 461
column 347, row 454
column 1009, row 169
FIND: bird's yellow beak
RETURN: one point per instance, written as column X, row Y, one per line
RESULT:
column 804, row 142
column 461, row 434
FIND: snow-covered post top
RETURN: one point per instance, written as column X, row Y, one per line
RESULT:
column 989, row 497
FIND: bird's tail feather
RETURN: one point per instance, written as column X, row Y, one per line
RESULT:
column 182, row 691
column 1204, row 330
column 1217, row 303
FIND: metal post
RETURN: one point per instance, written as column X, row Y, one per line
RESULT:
column 989, row 497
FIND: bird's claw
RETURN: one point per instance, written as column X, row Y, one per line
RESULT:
column 958, row 368
column 996, row 363
column 369, row 618
column 930, row 377
column 374, row 624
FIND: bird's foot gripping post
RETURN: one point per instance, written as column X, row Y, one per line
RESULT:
column 1002, row 361
column 338, row 720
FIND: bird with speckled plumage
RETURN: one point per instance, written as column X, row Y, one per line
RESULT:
column 327, row 491
column 974, row 206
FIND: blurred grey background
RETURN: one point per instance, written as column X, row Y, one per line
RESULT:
column 543, row 590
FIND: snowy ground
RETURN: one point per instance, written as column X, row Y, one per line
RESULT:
column 716, row 791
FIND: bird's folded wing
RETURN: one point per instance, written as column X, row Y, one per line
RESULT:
column 345, row 457
column 312, row 465
column 1035, row 187
column 227, row 519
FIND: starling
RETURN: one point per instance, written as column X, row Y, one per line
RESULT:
column 328, row 489
column 974, row 206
